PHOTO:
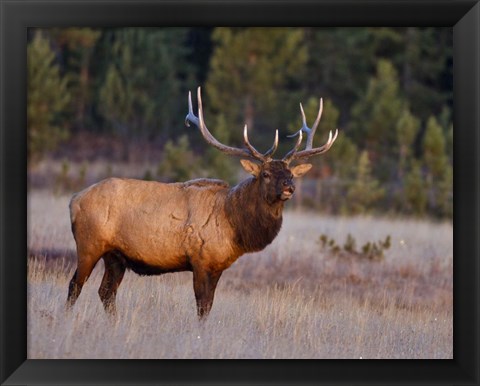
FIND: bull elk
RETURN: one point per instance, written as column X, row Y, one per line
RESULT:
column 202, row 225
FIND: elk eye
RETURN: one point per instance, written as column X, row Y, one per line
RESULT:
column 266, row 175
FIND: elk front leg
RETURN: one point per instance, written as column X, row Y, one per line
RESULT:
column 204, row 284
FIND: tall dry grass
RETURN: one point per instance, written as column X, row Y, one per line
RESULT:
column 291, row 300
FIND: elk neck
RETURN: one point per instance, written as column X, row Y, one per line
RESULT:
column 255, row 221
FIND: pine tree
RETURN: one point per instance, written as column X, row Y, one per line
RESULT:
column 142, row 82
column 365, row 190
column 343, row 161
column 427, row 70
column 375, row 117
column 408, row 181
column 434, row 148
column 340, row 61
column 450, row 144
column 47, row 97
column 407, row 129
column 415, row 192
column 178, row 163
column 115, row 102
column 439, row 177
column 445, row 193
column 250, row 72
column 346, row 158
column 77, row 46
column 218, row 164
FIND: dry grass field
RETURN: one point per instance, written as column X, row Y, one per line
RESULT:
column 292, row 300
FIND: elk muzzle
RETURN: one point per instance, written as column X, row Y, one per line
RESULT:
column 288, row 187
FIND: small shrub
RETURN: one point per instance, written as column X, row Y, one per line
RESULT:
column 82, row 176
column 148, row 176
column 108, row 170
column 63, row 181
column 373, row 251
column 350, row 244
column 179, row 163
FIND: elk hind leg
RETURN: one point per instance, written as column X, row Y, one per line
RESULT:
column 114, row 271
column 204, row 285
column 82, row 273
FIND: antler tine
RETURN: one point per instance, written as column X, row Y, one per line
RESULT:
column 198, row 121
column 190, row 116
column 311, row 133
column 267, row 155
column 273, row 149
column 249, row 146
column 304, row 127
column 309, row 150
column 289, row 157
column 203, row 128
column 250, row 152
column 318, row 150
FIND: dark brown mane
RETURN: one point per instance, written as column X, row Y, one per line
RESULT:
column 256, row 223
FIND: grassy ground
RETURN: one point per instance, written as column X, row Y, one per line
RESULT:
column 292, row 300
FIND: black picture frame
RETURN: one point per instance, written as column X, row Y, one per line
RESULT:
column 17, row 16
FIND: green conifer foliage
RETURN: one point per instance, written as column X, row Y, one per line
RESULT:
column 440, row 173
column 47, row 97
column 407, row 129
column 142, row 84
column 250, row 72
column 365, row 191
column 179, row 163
column 434, row 148
column 450, row 144
column 77, row 46
column 445, row 193
column 375, row 117
column 218, row 164
column 387, row 89
column 415, row 192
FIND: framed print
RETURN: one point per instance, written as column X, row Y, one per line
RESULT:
column 340, row 285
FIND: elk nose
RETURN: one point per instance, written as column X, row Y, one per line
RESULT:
column 289, row 186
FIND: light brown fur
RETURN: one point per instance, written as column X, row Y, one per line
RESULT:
column 159, row 224
column 162, row 227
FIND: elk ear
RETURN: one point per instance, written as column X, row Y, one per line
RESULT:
column 250, row 167
column 300, row 170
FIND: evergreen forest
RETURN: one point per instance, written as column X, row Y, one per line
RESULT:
column 122, row 93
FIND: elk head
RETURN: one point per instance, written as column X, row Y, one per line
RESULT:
column 275, row 176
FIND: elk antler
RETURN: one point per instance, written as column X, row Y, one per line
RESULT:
column 288, row 157
column 249, row 152
column 309, row 151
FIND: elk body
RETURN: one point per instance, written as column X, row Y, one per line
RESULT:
column 202, row 225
